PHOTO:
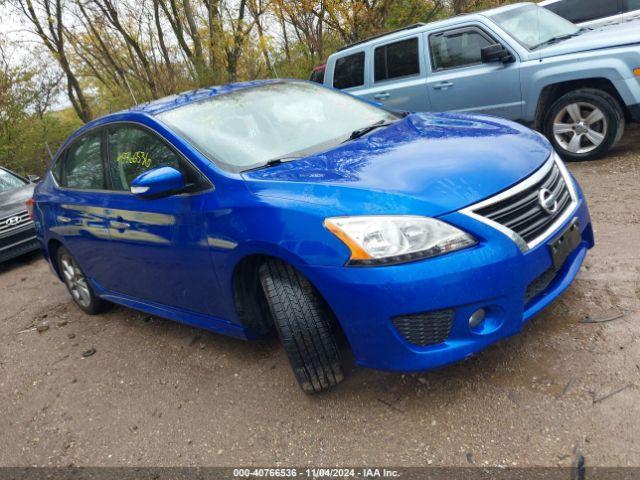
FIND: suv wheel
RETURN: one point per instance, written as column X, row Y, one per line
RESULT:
column 584, row 124
column 78, row 285
column 303, row 322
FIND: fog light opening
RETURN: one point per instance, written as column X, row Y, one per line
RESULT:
column 477, row 318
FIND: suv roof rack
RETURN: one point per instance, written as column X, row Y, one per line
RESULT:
column 408, row 27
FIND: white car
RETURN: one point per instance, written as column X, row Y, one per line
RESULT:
column 595, row 13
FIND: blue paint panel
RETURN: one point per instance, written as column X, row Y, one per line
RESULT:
column 175, row 256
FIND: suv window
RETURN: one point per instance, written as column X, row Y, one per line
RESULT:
column 349, row 71
column 578, row 11
column 457, row 48
column 631, row 5
column 133, row 151
column 83, row 164
column 395, row 60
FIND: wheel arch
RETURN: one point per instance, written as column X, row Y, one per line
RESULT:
column 53, row 246
column 250, row 303
column 552, row 92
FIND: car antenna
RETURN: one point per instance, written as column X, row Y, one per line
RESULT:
column 135, row 102
column 46, row 145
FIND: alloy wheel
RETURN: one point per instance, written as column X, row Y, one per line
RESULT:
column 580, row 127
column 76, row 281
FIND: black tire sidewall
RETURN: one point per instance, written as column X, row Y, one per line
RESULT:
column 599, row 99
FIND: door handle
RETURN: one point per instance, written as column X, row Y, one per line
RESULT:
column 443, row 85
column 382, row 95
column 119, row 224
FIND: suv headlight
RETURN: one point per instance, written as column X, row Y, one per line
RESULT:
column 383, row 240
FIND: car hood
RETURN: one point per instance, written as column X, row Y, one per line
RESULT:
column 603, row 37
column 429, row 164
column 13, row 201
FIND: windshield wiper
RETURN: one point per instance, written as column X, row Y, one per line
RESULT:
column 364, row 130
column 272, row 162
column 559, row 38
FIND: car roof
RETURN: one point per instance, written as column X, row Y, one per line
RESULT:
column 170, row 102
column 403, row 32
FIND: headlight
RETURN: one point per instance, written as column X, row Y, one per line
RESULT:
column 382, row 240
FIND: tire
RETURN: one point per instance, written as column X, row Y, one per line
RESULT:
column 77, row 284
column 584, row 124
column 303, row 321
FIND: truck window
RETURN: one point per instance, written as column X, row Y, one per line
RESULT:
column 399, row 59
column 457, row 49
column 349, row 71
column 578, row 11
column 631, row 5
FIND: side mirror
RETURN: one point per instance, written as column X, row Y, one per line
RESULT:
column 33, row 178
column 158, row 182
column 496, row 53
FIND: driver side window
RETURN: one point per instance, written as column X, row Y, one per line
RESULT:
column 133, row 151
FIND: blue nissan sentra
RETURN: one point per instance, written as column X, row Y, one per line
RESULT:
column 419, row 238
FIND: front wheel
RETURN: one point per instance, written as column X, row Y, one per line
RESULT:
column 78, row 284
column 584, row 124
column 303, row 321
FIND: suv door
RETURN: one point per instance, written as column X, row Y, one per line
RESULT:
column 459, row 80
column 631, row 10
column 159, row 244
column 398, row 75
column 81, row 208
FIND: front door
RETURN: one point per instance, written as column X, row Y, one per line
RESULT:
column 459, row 81
column 159, row 244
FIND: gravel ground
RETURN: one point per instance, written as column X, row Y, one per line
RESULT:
column 160, row 393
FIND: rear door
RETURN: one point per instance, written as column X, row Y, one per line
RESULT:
column 459, row 81
column 159, row 244
column 631, row 10
column 398, row 74
column 81, row 211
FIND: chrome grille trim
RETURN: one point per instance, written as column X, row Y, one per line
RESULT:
column 528, row 183
column 24, row 221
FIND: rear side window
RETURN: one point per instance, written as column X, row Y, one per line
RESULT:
column 133, row 151
column 631, row 5
column 83, row 164
column 396, row 60
column 349, row 71
column 457, row 49
column 578, row 11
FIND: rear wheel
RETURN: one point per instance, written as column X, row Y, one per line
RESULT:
column 584, row 124
column 78, row 285
column 303, row 321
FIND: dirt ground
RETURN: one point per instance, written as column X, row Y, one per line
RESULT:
column 160, row 393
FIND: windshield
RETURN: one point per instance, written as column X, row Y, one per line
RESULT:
column 9, row 181
column 534, row 26
column 247, row 128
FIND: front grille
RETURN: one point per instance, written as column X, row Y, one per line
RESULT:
column 539, row 285
column 523, row 213
column 14, row 222
column 424, row 329
column 21, row 236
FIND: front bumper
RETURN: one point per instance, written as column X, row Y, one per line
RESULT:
column 493, row 275
column 18, row 242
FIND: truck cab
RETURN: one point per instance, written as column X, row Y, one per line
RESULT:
column 514, row 62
